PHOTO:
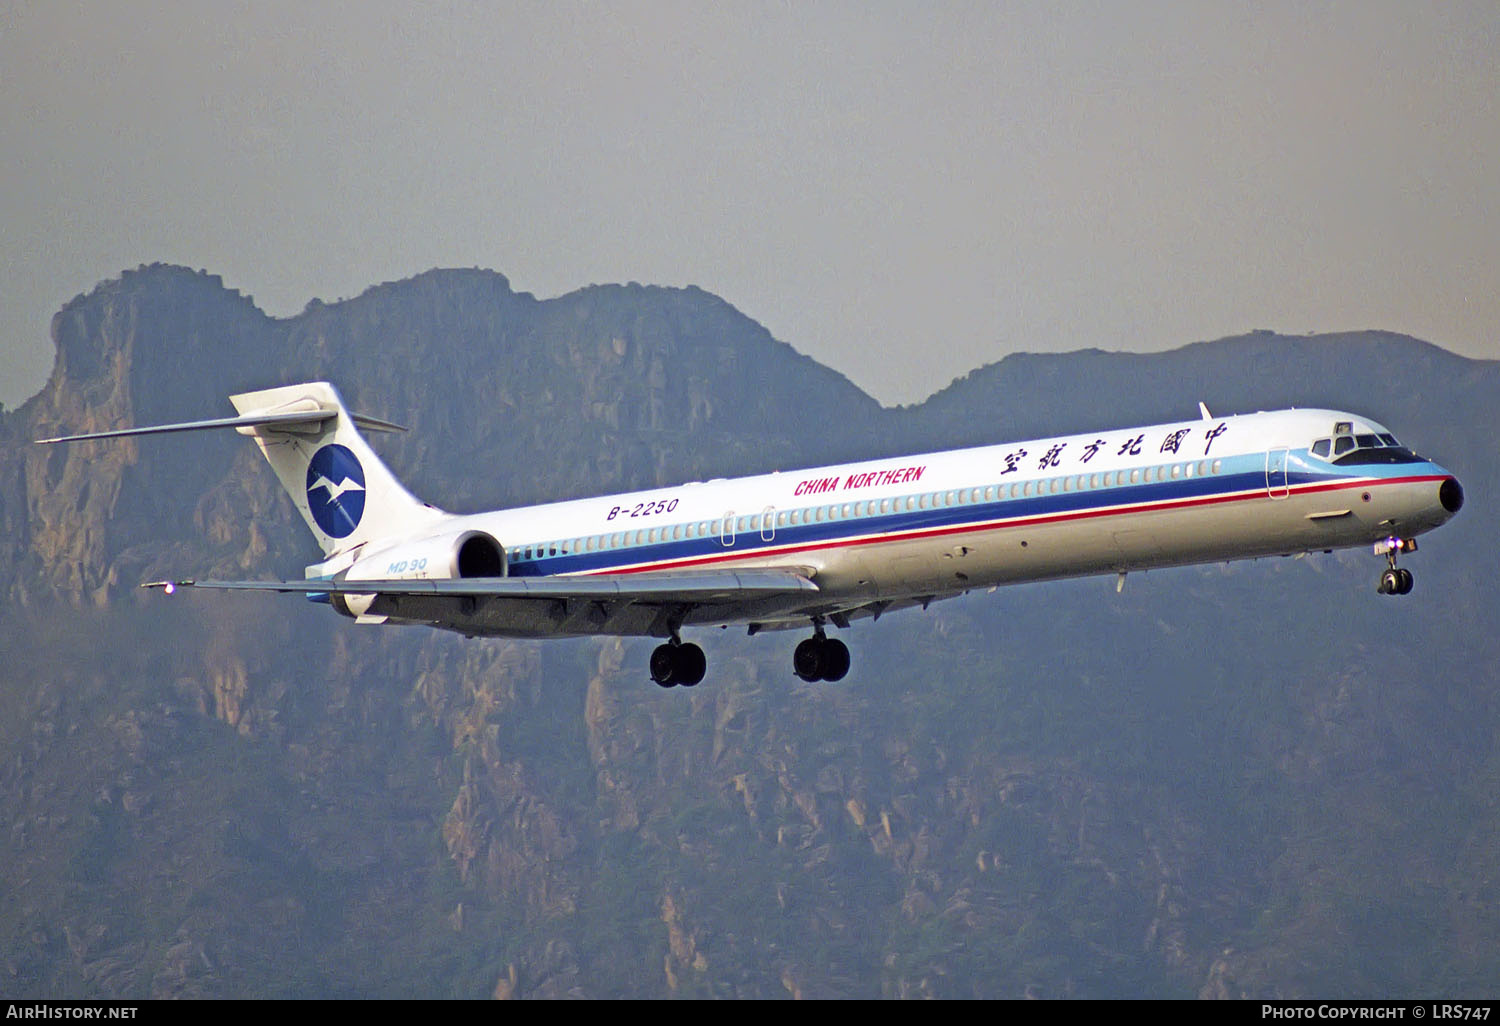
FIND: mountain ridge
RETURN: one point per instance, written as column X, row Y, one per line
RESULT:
column 1250, row 780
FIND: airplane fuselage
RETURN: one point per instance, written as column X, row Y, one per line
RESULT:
column 883, row 534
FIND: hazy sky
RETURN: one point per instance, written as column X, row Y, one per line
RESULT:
column 903, row 191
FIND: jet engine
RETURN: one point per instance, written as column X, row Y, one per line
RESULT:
column 443, row 557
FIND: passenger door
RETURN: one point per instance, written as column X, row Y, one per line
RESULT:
column 1276, row 483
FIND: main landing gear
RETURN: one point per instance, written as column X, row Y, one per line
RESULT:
column 1395, row 580
column 677, row 663
column 820, row 658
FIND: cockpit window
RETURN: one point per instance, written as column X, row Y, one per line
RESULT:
column 1366, row 448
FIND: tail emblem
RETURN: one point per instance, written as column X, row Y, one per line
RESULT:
column 336, row 490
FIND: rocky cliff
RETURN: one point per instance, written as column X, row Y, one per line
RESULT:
column 1254, row 780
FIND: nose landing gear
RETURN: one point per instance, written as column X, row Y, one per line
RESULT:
column 1395, row 580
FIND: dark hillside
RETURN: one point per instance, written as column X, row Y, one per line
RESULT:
column 1256, row 780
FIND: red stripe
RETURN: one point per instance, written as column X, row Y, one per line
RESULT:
column 991, row 525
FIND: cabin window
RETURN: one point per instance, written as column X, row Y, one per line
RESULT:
column 677, row 533
column 846, row 511
column 989, row 494
column 1135, row 475
column 885, row 505
column 1216, row 465
column 1176, row 471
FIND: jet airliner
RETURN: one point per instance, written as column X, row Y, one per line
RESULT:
column 824, row 547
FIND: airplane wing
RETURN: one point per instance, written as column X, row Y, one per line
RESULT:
column 626, row 604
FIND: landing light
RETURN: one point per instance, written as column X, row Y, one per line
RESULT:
column 169, row 588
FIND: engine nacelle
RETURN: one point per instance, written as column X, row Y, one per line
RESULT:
column 443, row 557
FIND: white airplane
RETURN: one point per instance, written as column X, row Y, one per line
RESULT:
column 811, row 548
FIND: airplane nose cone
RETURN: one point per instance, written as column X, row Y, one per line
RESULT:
column 1451, row 495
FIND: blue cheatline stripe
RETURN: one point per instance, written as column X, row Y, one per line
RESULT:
column 1242, row 479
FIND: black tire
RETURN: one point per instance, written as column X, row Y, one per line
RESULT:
column 1407, row 581
column 807, row 660
column 1390, row 583
column 835, row 660
column 692, row 664
column 664, row 666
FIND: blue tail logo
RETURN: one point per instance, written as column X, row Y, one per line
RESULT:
column 336, row 490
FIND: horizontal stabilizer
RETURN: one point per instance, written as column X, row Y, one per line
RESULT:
column 283, row 419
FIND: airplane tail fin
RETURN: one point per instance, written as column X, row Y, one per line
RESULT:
column 345, row 493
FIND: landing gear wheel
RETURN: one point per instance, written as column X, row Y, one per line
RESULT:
column 674, row 664
column 835, row 660
column 663, row 666
column 820, row 658
column 1404, row 588
column 1390, row 583
column 807, row 659
column 692, row 664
